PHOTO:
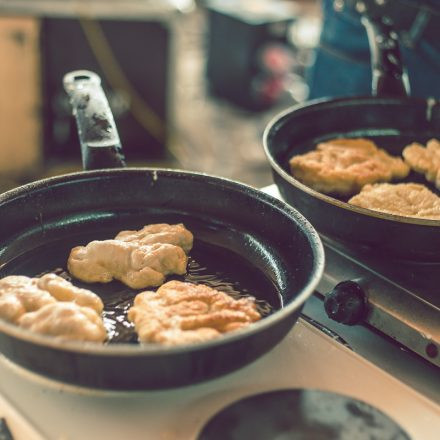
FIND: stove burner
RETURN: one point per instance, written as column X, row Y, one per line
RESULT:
column 301, row 415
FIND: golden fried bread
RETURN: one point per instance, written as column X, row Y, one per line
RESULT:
column 67, row 321
column 63, row 290
column 139, row 259
column 134, row 265
column 21, row 294
column 181, row 313
column 52, row 305
column 425, row 160
column 344, row 166
column 406, row 199
column 177, row 235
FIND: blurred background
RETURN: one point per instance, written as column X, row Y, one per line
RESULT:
column 192, row 84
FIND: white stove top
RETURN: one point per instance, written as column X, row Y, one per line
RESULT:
column 306, row 358
column 378, row 372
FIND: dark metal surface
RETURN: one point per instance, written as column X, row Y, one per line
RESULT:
column 301, row 414
column 392, row 123
column 40, row 222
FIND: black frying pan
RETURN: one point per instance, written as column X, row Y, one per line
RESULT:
column 243, row 238
column 389, row 118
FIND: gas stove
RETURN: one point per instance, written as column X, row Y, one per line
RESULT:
column 398, row 298
column 385, row 362
column 308, row 358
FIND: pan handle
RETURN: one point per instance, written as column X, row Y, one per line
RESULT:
column 389, row 77
column 99, row 139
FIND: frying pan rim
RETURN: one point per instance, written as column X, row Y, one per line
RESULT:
column 322, row 102
column 130, row 350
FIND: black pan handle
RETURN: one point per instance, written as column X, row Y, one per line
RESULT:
column 389, row 77
column 99, row 139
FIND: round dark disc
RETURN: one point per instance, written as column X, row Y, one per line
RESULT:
column 301, row 415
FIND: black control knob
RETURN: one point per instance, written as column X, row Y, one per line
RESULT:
column 346, row 303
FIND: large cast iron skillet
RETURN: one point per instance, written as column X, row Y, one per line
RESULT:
column 391, row 119
column 40, row 222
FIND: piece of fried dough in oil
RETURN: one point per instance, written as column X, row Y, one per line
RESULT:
column 180, row 313
column 425, row 160
column 176, row 234
column 67, row 321
column 343, row 166
column 20, row 294
column 136, row 266
column 406, row 199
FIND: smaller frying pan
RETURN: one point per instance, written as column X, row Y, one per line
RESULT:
column 389, row 118
column 241, row 236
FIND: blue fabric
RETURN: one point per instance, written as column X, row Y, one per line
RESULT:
column 342, row 60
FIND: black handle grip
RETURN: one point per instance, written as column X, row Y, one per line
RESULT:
column 346, row 303
column 389, row 77
column 100, row 144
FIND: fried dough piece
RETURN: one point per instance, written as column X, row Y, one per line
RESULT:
column 425, row 160
column 21, row 294
column 177, row 235
column 407, row 199
column 344, row 166
column 136, row 266
column 67, row 321
column 63, row 290
column 181, row 313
